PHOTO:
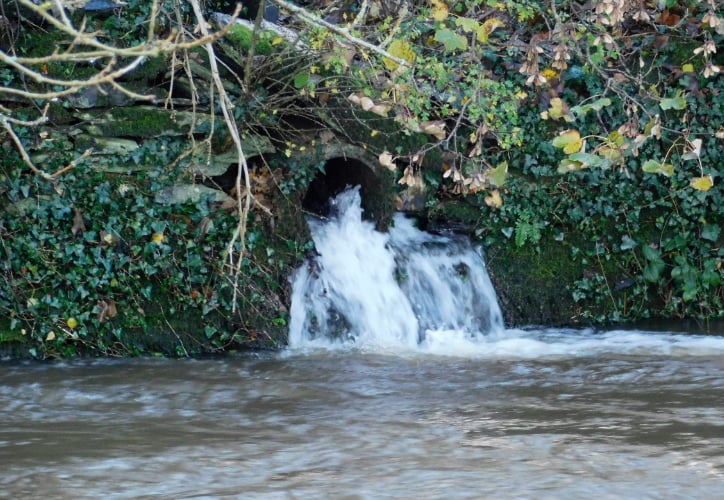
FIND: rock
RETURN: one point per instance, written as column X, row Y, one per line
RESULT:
column 182, row 193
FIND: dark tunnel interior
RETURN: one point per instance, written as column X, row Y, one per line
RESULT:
column 338, row 175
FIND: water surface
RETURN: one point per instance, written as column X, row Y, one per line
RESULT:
column 565, row 415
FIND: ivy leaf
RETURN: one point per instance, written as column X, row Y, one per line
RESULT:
column 650, row 253
column 710, row 232
column 678, row 102
column 451, row 40
column 654, row 167
column 496, row 176
column 485, row 30
column 627, row 243
column 468, row 25
column 654, row 270
column 301, row 80
column 569, row 141
column 702, row 183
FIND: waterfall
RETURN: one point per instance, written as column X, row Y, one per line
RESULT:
column 404, row 289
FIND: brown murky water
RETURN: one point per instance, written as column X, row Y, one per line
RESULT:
column 610, row 424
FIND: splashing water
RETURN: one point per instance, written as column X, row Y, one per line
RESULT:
column 410, row 291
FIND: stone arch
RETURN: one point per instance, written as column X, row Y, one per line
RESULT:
column 349, row 168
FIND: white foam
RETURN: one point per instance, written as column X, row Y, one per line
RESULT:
column 411, row 292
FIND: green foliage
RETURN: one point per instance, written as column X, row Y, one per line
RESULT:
column 94, row 265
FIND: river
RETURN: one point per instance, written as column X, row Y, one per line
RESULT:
column 560, row 418
column 400, row 381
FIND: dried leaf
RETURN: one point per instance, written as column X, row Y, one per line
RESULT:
column 366, row 103
column 380, row 109
column 386, row 160
column 78, row 223
column 434, row 128
column 494, row 200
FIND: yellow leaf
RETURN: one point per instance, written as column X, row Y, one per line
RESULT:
column 570, row 141
column 374, row 133
column 440, row 10
column 157, row 238
column 558, row 109
column 277, row 40
column 487, row 28
column 494, row 200
column 400, row 49
column 702, row 183
column 687, row 68
column 50, row 336
column 72, row 323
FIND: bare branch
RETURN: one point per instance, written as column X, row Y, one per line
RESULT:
column 310, row 18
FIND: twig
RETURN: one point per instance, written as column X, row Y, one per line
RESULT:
column 243, row 205
column 310, row 18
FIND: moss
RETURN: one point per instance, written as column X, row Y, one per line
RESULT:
column 144, row 121
column 267, row 42
column 531, row 284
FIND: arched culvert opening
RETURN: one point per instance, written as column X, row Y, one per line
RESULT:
column 340, row 173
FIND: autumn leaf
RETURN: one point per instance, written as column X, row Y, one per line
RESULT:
column 107, row 310
column 703, row 183
column 558, row 109
column 496, row 176
column 380, row 109
column 654, row 167
column 485, row 30
column 494, row 200
column 694, row 150
column 72, row 323
column 158, row 238
column 569, row 141
column 386, row 160
column 678, row 103
column 400, row 49
column 78, row 223
column 468, row 25
column 440, row 10
column 567, row 165
column 434, row 128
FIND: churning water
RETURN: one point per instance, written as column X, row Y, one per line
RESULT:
column 400, row 382
column 408, row 291
column 390, row 291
